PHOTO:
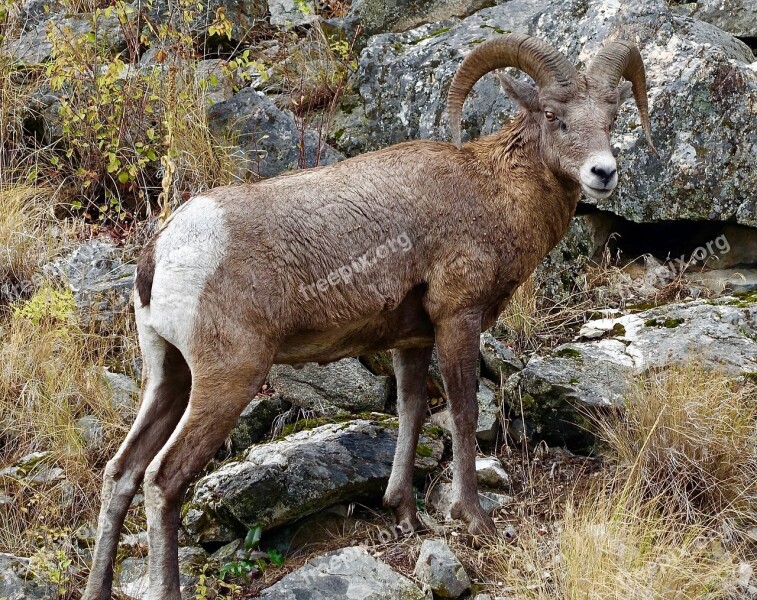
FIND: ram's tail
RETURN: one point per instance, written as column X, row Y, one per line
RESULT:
column 145, row 272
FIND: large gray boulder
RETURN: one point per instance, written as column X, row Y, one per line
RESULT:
column 281, row 481
column 336, row 388
column 269, row 137
column 382, row 16
column 702, row 93
column 347, row 574
column 555, row 391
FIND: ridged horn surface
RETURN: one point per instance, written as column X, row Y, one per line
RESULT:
column 622, row 59
column 544, row 64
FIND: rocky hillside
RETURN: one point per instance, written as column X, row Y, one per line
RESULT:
column 617, row 398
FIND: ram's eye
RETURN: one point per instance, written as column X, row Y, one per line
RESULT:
column 550, row 116
column 563, row 126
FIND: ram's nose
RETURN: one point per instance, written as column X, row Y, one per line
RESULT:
column 604, row 173
column 599, row 175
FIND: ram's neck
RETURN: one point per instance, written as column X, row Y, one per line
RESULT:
column 523, row 184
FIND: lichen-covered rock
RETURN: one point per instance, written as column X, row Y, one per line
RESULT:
column 100, row 280
column 557, row 276
column 292, row 13
column 336, row 388
column 281, row 481
column 702, row 91
column 255, row 421
column 440, row 569
column 737, row 17
column 268, row 136
column 382, row 16
column 554, row 391
column 347, row 574
column 498, row 361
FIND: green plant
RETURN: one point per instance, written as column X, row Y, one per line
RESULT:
column 48, row 305
column 108, row 115
column 254, row 562
column 52, row 566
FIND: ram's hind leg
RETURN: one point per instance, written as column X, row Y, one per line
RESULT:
column 410, row 367
column 223, row 382
column 165, row 393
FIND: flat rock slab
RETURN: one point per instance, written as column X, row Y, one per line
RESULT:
column 347, row 574
column 282, row 481
column 552, row 390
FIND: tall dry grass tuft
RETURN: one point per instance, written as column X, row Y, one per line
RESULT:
column 614, row 546
column 25, row 239
column 690, row 435
column 50, row 378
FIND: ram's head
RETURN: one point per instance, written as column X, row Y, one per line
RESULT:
column 574, row 112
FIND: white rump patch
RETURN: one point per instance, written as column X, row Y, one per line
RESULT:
column 189, row 250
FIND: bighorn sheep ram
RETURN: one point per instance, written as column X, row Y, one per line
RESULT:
column 420, row 243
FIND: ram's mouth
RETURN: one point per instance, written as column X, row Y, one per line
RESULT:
column 597, row 193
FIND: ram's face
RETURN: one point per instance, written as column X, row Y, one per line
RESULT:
column 576, row 123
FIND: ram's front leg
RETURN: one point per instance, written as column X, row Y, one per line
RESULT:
column 457, row 340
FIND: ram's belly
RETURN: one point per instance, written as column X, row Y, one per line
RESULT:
column 407, row 326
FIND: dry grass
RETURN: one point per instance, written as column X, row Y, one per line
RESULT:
column 49, row 379
column 689, row 435
column 532, row 322
column 25, row 242
column 613, row 547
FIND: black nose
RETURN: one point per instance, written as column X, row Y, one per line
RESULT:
column 603, row 174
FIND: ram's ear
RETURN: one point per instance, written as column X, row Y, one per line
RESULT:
column 624, row 92
column 522, row 92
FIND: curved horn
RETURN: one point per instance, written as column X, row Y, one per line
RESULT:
column 543, row 63
column 622, row 59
